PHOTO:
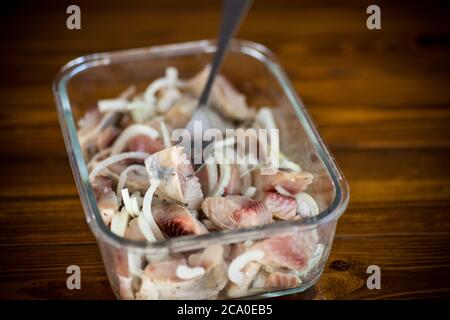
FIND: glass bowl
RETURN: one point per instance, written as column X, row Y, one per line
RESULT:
column 254, row 71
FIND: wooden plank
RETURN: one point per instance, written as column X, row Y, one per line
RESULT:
column 380, row 100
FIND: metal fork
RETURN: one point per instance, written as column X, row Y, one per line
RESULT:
column 233, row 12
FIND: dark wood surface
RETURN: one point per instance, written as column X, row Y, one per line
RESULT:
column 381, row 100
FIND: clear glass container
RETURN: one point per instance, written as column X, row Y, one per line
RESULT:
column 255, row 72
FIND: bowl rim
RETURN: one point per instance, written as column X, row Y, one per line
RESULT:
column 79, row 169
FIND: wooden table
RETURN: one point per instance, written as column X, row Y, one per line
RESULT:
column 381, row 100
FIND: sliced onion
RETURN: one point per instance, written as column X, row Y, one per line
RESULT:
column 119, row 223
column 282, row 191
column 128, row 92
column 131, row 204
column 246, row 178
column 140, row 109
column 250, row 192
column 285, row 163
column 248, row 171
column 147, row 210
column 170, row 96
column 225, row 176
column 117, row 104
column 123, row 178
column 187, row 273
column 145, row 229
column 213, row 177
column 165, row 135
column 99, row 155
column 95, row 131
column 306, row 205
column 170, row 80
column 135, row 264
column 266, row 119
column 234, row 270
column 139, row 199
column 116, row 158
column 130, row 132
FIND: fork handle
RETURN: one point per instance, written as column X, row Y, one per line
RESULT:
column 232, row 13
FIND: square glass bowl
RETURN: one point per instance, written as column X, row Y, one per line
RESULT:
column 255, row 72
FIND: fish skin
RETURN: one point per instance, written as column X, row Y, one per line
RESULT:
column 232, row 212
column 175, row 220
column 176, row 174
column 281, row 206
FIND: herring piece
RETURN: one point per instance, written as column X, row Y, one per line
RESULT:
column 292, row 182
column 232, row 212
column 160, row 281
column 291, row 251
column 175, row 220
column 281, row 206
column 176, row 175
column 224, row 97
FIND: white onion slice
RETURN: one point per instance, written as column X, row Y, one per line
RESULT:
column 99, row 155
column 250, row 192
column 170, row 96
column 140, row 109
column 234, row 270
column 170, row 80
column 116, row 158
column 282, row 191
column 147, row 209
column 266, row 119
column 213, row 177
column 306, row 205
column 123, row 178
column 225, row 176
column 145, row 229
column 130, row 132
column 117, row 104
column 119, row 223
column 165, row 135
column 285, row 163
column 130, row 203
column 187, row 273
column 128, row 92
column 135, row 264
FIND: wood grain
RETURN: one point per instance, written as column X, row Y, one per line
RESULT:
column 380, row 99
